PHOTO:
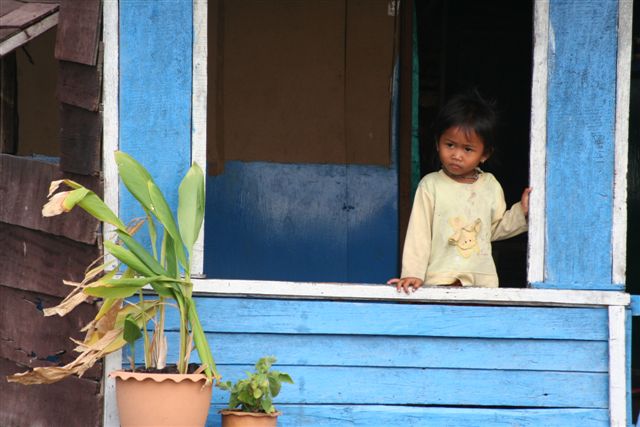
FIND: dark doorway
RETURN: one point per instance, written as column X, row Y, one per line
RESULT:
column 487, row 45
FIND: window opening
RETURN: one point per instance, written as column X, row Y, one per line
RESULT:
column 485, row 45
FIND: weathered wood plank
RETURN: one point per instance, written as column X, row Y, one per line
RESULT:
column 331, row 317
column 30, row 339
column 75, row 402
column 9, row 6
column 580, row 132
column 407, row 352
column 379, row 415
column 36, row 261
column 409, row 386
column 8, row 104
column 26, row 14
column 79, row 31
column 80, row 140
column 155, row 117
column 80, row 85
column 24, row 184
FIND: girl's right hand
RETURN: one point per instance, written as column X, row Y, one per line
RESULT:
column 406, row 284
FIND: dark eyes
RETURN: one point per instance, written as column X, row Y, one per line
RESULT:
column 452, row 145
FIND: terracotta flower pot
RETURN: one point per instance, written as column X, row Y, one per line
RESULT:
column 248, row 419
column 162, row 399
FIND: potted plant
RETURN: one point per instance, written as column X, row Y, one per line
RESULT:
column 128, row 311
column 251, row 399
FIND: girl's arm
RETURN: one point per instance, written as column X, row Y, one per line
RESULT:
column 510, row 223
column 417, row 243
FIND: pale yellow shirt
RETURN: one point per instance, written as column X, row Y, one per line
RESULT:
column 452, row 226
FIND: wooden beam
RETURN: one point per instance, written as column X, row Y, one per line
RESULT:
column 617, row 366
column 537, row 156
column 27, row 34
column 404, row 128
column 199, row 111
column 623, row 85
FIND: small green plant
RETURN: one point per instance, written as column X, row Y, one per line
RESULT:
column 256, row 392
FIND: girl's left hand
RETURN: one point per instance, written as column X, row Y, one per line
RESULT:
column 524, row 201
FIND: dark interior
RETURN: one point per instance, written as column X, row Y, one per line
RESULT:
column 487, row 45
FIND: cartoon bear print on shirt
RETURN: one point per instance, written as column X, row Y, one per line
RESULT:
column 465, row 236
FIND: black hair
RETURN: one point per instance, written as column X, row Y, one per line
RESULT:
column 471, row 112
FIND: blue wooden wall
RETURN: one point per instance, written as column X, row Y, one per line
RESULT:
column 328, row 223
column 580, row 144
column 379, row 364
column 155, row 92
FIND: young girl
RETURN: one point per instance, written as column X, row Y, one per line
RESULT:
column 459, row 210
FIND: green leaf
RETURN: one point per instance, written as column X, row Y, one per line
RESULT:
column 124, row 291
column 135, row 178
column 285, row 378
column 141, row 253
column 274, row 386
column 74, row 197
column 267, row 405
column 98, row 209
column 160, row 208
column 191, row 205
column 132, row 331
column 128, row 258
column 169, row 249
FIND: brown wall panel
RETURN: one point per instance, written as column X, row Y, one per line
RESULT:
column 369, row 65
column 36, row 261
column 283, row 74
column 79, row 31
column 80, row 140
column 300, row 82
column 24, row 184
column 74, row 402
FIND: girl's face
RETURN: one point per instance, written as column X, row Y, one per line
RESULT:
column 460, row 152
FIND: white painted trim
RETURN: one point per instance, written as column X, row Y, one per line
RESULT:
column 537, row 160
column 28, row 34
column 619, row 230
column 199, row 111
column 617, row 367
column 436, row 294
column 110, row 171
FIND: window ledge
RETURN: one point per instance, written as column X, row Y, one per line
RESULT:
column 373, row 292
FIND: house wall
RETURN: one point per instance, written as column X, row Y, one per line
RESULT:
column 446, row 363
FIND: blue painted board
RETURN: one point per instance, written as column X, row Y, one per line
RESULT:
column 329, row 223
column 395, row 416
column 410, row 386
column 155, row 92
column 580, row 144
column 248, row 315
column 405, row 352
column 372, row 231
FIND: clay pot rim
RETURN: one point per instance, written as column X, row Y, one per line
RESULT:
column 248, row 414
column 157, row 377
